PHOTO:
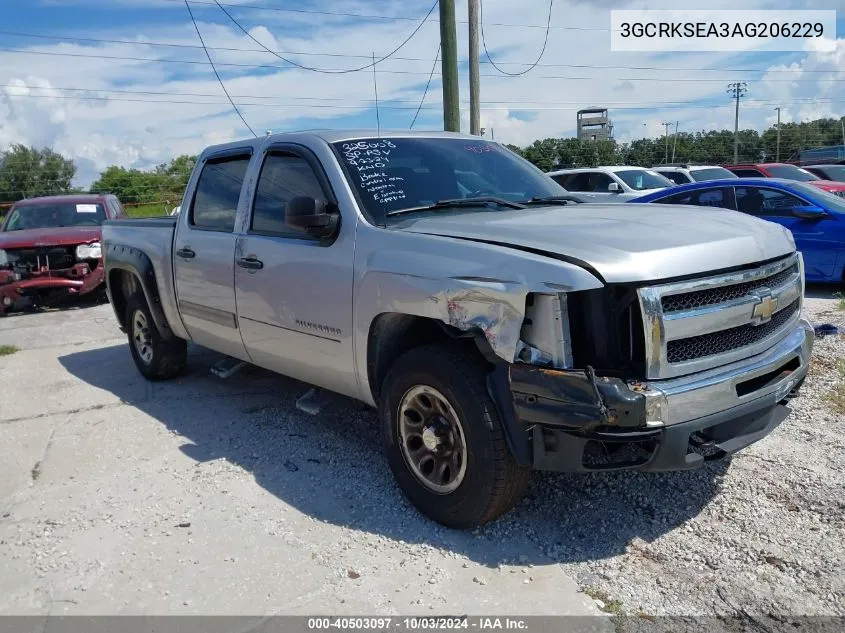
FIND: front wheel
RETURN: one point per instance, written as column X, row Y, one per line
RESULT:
column 155, row 357
column 445, row 443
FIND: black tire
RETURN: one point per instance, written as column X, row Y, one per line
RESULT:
column 160, row 359
column 492, row 482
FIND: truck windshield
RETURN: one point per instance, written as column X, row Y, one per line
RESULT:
column 390, row 174
column 54, row 214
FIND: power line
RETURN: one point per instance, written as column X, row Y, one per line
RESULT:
column 391, row 72
column 216, row 74
column 427, row 84
column 539, row 57
column 369, row 101
column 324, row 70
column 409, row 59
column 371, row 16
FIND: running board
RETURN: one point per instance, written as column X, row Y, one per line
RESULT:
column 227, row 367
column 313, row 401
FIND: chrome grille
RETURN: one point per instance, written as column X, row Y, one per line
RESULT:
column 705, row 345
column 700, row 298
column 696, row 325
column 841, row 194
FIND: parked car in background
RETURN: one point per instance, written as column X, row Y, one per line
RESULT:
column 789, row 172
column 815, row 217
column 497, row 327
column 50, row 248
column 682, row 173
column 623, row 183
column 828, row 172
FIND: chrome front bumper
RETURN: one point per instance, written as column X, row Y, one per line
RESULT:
column 769, row 375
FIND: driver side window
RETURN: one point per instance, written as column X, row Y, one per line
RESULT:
column 765, row 202
column 283, row 177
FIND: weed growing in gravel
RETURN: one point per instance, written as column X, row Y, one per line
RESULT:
column 605, row 602
column 840, row 300
column 5, row 350
column 836, row 397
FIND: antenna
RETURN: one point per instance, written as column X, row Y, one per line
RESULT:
column 375, row 90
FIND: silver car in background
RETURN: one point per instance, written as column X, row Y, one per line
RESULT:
column 616, row 184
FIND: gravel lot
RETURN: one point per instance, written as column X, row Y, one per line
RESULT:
column 208, row 496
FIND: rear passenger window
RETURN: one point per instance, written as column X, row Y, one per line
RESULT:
column 675, row 176
column 282, row 178
column 219, row 187
column 702, row 197
column 678, row 198
column 578, row 182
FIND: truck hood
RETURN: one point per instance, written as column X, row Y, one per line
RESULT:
column 621, row 242
column 53, row 236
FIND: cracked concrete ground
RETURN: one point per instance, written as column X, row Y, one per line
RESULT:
column 201, row 495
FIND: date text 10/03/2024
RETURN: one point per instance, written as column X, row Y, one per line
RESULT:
column 417, row 623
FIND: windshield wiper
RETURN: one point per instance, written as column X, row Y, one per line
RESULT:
column 552, row 200
column 480, row 201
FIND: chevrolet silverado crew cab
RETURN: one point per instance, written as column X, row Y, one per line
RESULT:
column 497, row 325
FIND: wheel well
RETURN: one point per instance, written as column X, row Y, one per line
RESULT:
column 391, row 335
column 122, row 284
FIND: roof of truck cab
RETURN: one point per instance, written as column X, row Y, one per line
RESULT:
column 334, row 136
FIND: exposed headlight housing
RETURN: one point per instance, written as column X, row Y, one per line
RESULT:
column 4, row 259
column 89, row 251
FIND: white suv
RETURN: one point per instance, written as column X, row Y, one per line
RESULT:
column 623, row 182
column 681, row 174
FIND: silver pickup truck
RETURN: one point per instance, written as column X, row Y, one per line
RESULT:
column 497, row 325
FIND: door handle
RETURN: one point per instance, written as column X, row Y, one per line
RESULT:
column 186, row 253
column 250, row 263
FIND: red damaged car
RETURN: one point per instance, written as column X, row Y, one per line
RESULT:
column 50, row 248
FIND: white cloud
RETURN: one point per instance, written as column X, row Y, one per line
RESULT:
column 121, row 128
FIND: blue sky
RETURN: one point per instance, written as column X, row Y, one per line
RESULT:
column 131, row 103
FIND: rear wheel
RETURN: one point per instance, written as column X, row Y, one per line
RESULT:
column 444, row 440
column 155, row 357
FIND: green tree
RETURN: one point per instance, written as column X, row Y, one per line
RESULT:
column 164, row 183
column 26, row 172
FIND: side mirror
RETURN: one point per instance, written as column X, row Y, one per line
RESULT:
column 314, row 217
column 614, row 187
column 809, row 212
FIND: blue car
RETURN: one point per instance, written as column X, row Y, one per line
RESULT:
column 815, row 217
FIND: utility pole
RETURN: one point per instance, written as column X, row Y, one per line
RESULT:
column 777, row 150
column 842, row 123
column 675, row 141
column 474, row 86
column 737, row 90
column 449, row 47
column 666, row 157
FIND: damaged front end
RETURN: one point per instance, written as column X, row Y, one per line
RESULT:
column 45, row 275
column 577, row 397
column 574, row 419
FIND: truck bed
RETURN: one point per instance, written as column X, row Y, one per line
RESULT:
column 154, row 238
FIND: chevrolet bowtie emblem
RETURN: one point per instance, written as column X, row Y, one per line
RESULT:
column 764, row 308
